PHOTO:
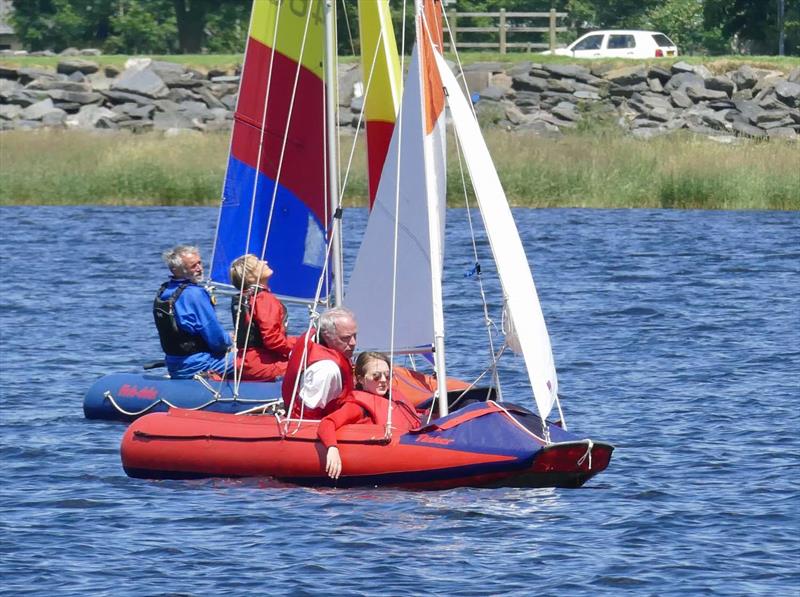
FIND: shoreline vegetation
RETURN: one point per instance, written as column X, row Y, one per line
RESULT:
column 590, row 168
column 594, row 166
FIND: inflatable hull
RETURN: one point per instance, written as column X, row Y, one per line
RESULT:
column 128, row 396
column 481, row 445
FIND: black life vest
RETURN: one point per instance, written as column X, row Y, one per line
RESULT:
column 174, row 340
column 247, row 335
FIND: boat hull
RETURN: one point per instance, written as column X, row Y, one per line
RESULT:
column 479, row 446
column 128, row 396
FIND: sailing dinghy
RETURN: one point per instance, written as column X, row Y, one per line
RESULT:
column 469, row 438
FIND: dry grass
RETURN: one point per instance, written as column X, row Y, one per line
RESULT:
column 602, row 168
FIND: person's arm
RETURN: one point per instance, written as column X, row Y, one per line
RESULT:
column 195, row 314
column 322, row 382
column 349, row 412
column 268, row 318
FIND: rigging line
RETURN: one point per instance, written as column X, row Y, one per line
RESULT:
column 239, row 372
column 487, row 319
column 361, row 113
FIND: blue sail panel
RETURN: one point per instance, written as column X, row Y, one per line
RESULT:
column 297, row 241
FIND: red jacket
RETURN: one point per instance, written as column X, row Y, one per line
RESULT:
column 315, row 352
column 267, row 361
column 363, row 407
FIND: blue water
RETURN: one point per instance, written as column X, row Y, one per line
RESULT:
column 676, row 335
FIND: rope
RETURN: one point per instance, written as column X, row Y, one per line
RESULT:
column 588, row 454
column 108, row 396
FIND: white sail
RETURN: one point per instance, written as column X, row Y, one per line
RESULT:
column 520, row 295
column 404, row 207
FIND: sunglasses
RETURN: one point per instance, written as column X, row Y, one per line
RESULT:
column 379, row 375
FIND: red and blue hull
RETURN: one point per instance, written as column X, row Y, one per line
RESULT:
column 481, row 445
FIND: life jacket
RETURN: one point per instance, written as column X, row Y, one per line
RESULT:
column 314, row 352
column 246, row 334
column 404, row 417
column 174, row 340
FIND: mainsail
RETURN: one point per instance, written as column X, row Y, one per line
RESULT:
column 276, row 185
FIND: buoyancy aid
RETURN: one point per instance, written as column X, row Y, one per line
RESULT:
column 246, row 333
column 174, row 340
column 404, row 417
column 315, row 352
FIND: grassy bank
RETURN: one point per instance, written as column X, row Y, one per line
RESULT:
column 589, row 169
column 228, row 62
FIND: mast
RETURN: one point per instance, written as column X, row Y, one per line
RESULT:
column 332, row 149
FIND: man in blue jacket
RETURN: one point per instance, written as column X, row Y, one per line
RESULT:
column 192, row 337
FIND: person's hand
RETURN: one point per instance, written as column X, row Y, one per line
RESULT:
column 333, row 465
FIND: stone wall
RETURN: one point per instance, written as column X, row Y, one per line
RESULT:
column 541, row 98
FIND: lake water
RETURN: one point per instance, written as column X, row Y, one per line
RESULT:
column 677, row 338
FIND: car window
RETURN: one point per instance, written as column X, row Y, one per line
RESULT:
column 593, row 42
column 620, row 42
column 662, row 40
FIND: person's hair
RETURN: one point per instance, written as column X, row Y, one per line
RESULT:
column 244, row 271
column 363, row 360
column 174, row 257
column 327, row 321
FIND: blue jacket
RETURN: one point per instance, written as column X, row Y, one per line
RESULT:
column 195, row 314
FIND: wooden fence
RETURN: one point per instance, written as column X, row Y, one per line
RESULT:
column 506, row 26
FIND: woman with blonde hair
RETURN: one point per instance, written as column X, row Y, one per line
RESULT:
column 260, row 321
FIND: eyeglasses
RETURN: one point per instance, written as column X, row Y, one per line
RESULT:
column 379, row 375
column 346, row 339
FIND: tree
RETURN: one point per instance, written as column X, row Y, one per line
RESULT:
column 682, row 21
column 752, row 25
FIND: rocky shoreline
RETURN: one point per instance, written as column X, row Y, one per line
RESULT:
column 645, row 101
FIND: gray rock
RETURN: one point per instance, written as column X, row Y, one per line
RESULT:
column 587, row 95
column 67, row 67
column 794, row 75
column 122, row 97
column 721, row 105
column 783, row 133
column 788, row 93
column 744, row 77
column 26, row 75
column 747, row 130
column 38, row 110
column 54, row 118
column 171, row 120
column 502, row 81
column 7, row 88
column 521, row 68
column 700, row 94
column 476, row 80
column 560, row 85
column 492, row 93
column 702, row 71
column 774, row 124
column 77, row 77
column 77, row 97
column 514, row 115
column 682, row 67
column 627, row 76
column 8, row 72
column 25, row 97
column 527, row 98
column 357, row 104
column 132, row 110
column 566, row 71
column 234, row 79
column 111, row 71
column 165, row 105
column 684, row 79
column 655, row 85
column 721, row 83
column 679, row 99
column 627, row 90
column 181, row 94
column 46, row 84
column 10, row 111
column 142, row 82
column 529, row 83
column 209, row 98
column 91, row 52
column 70, row 52
column 567, row 111
column 492, row 67
column 88, row 116
column 229, row 101
column 656, row 72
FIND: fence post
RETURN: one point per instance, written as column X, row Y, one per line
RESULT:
column 453, row 30
column 552, row 29
column 502, row 30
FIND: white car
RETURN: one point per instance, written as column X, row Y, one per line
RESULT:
column 619, row 44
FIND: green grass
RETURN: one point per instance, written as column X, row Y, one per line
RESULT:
column 204, row 62
column 599, row 168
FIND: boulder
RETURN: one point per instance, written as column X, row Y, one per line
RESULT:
column 122, row 97
column 529, row 83
column 701, row 94
column 788, row 93
column 679, row 99
column 567, row 111
column 656, row 72
column 747, row 130
column 682, row 67
column 67, row 67
column 26, row 75
column 38, row 110
column 627, row 76
column 7, row 88
column 567, row 71
column 492, row 93
column 721, row 83
column 10, row 111
column 476, row 80
column 8, row 72
column 88, row 116
column 143, row 81
column 744, row 77
column 682, row 80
